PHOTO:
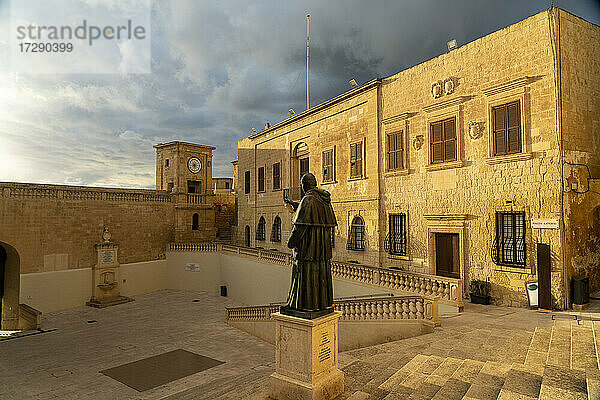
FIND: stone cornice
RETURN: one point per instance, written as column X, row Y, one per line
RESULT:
column 445, row 104
column 446, row 217
column 505, row 86
column 399, row 117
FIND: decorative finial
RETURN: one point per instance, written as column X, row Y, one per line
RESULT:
column 106, row 234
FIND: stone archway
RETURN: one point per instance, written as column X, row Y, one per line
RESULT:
column 11, row 271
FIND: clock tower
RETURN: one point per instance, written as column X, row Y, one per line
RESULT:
column 185, row 171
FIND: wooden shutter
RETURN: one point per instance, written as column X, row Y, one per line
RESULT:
column 356, row 160
column 276, row 176
column 499, row 115
column 449, row 140
column 399, row 150
column 437, row 145
column 388, row 153
column 514, row 127
column 261, row 179
column 359, row 151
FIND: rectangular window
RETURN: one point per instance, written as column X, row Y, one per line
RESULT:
column 328, row 175
column 509, row 246
column 247, row 182
column 397, row 234
column 261, row 179
column 443, row 141
column 394, row 151
column 356, row 158
column 506, row 121
column 276, row 176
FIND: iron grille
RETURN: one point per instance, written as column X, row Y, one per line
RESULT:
column 395, row 241
column 356, row 237
column 509, row 247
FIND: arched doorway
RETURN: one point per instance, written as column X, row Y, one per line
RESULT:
column 9, row 287
column 247, row 236
column 300, row 163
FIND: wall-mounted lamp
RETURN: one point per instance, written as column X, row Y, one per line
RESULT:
column 452, row 44
column 353, row 83
column 291, row 112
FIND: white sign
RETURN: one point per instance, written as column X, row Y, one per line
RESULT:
column 548, row 223
column 192, row 267
column 532, row 293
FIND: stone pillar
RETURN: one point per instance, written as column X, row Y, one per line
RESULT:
column 105, row 275
column 307, row 359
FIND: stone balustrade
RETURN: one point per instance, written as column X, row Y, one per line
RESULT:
column 448, row 290
column 76, row 193
column 372, row 309
column 202, row 247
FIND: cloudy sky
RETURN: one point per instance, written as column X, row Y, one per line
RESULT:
column 219, row 69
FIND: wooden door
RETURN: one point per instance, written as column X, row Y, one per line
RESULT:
column 543, row 272
column 447, row 255
column 303, row 166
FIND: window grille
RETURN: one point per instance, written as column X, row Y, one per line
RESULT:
column 443, row 141
column 395, row 242
column 509, row 247
column 276, row 230
column 260, row 229
column 356, row 237
column 332, row 236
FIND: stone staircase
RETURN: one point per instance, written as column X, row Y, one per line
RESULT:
column 560, row 363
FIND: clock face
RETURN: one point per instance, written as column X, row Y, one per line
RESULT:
column 194, row 165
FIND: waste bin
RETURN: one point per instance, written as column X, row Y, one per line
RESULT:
column 580, row 288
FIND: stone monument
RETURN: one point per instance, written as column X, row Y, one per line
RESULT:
column 105, row 275
column 307, row 326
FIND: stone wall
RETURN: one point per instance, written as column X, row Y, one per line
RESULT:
column 55, row 227
column 579, row 43
column 333, row 126
column 514, row 64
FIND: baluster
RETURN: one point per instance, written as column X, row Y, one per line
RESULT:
column 412, row 309
column 405, row 310
column 386, row 310
column 379, row 311
column 420, row 310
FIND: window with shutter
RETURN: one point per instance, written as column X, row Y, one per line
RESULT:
column 395, row 151
column 443, row 141
column 260, row 229
column 396, row 240
column 247, row 182
column 328, row 175
column 356, row 237
column 261, row 179
column 506, row 121
column 276, row 230
column 276, row 176
column 356, row 160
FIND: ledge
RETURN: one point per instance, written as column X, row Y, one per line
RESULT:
column 444, row 104
column 446, row 217
column 505, row 86
column 446, row 165
column 509, row 158
column 358, row 178
column 396, row 173
column 399, row 117
column 398, row 257
column 520, row 270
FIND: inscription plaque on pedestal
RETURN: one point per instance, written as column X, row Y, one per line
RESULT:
column 107, row 256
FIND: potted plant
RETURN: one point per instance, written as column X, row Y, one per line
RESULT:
column 480, row 292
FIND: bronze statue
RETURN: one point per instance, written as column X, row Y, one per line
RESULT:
column 311, row 291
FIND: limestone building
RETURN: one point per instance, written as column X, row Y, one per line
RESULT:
column 49, row 233
column 481, row 163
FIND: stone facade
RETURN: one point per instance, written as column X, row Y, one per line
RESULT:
column 459, row 199
column 50, row 228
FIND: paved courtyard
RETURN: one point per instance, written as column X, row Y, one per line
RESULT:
column 65, row 363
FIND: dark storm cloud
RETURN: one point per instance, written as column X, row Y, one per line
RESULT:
column 220, row 69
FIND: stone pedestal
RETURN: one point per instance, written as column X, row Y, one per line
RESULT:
column 105, row 277
column 307, row 359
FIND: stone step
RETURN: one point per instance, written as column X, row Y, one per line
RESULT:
column 537, row 353
column 563, row 383
column 592, row 378
column 583, row 348
column 559, row 352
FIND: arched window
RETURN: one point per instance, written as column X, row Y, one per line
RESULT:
column 195, row 222
column 247, row 236
column 276, row 230
column 356, row 236
column 260, row 229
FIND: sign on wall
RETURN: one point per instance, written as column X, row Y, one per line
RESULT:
column 107, row 256
column 545, row 223
column 192, row 267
